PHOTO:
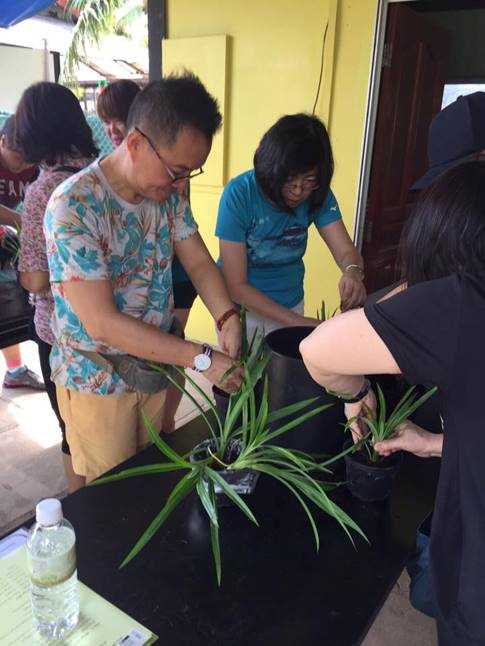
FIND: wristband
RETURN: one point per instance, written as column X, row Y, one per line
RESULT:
column 355, row 267
column 220, row 321
column 356, row 398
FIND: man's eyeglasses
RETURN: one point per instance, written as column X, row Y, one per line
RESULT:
column 173, row 176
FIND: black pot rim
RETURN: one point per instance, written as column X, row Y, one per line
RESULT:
column 221, row 393
column 208, row 442
column 395, row 457
column 268, row 338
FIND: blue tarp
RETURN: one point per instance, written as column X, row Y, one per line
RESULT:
column 14, row 11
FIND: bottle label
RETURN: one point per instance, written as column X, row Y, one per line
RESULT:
column 53, row 570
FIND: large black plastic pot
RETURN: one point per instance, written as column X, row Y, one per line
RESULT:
column 367, row 482
column 221, row 399
column 289, row 382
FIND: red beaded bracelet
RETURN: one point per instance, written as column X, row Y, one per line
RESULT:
column 225, row 316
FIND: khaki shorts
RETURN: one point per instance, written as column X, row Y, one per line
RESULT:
column 104, row 430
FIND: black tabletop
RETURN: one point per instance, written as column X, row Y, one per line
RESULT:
column 275, row 588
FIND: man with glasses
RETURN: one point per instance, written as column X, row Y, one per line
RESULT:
column 111, row 233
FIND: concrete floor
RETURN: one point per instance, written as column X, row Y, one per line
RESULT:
column 31, row 469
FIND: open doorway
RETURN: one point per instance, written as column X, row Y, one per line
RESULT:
column 427, row 54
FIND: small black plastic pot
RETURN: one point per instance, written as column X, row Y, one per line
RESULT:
column 370, row 482
column 243, row 481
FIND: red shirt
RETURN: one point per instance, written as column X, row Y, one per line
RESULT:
column 12, row 185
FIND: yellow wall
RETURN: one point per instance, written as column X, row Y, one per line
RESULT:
column 273, row 65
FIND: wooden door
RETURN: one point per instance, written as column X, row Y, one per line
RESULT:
column 412, row 81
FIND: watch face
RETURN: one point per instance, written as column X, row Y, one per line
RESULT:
column 202, row 362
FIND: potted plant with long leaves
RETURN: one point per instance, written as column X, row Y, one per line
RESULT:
column 243, row 442
column 369, row 475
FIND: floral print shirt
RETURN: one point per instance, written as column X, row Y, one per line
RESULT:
column 94, row 234
column 33, row 255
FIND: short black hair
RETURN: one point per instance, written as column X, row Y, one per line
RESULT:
column 164, row 107
column 295, row 144
column 8, row 131
column 445, row 233
column 49, row 122
column 114, row 100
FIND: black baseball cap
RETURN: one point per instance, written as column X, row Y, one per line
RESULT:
column 456, row 132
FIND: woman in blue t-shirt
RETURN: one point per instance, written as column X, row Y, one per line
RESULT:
column 263, row 222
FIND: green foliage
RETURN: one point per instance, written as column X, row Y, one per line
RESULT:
column 255, row 429
column 11, row 243
column 323, row 315
column 381, row 426
column 96, row 18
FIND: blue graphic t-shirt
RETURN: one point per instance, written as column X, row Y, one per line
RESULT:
column 275, row 240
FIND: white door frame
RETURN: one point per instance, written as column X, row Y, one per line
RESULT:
column 370, row 119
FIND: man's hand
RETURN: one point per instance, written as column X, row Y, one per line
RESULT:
column 230, row 337
column 352, row 291
column 366, row 407
column 412, row 438
column 216, row 374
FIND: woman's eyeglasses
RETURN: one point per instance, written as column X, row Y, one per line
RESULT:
column 306, row 184
column 173, row 176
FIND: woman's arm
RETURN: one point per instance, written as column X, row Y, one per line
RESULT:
column 9, row 217
column 345, row 254
column 414, row 439
column 35, row 282
column 340, row 352
column 343, row 349
column 234, row 268
column 209, row 283
column 33, row 266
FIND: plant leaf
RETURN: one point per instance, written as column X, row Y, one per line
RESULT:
column 382, row 406
column 407, row 411
column 179, row 492
column 296, row 422
column 262, row 418
column 184, row 391
column 215, row 541
column 278, row 475
column 230, row 493
column 149, row 469
column 201, row 392
column 289, row 410
column 205, row 499
column 161, row 444
column 317, row 495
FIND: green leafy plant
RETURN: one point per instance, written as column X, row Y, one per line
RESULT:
column 323, row 315
column 256, row 431
column 382, row 426
column 10, row 242
column 94, row 20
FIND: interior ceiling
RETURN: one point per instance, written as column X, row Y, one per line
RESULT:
column 446, row 5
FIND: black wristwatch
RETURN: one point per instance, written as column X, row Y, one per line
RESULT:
column 356, row 398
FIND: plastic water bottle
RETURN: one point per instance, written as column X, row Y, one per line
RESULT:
column 51, row 549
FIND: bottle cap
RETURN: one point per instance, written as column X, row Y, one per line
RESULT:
column 48, row 512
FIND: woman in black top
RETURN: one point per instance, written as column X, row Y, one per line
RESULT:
column 432, row 333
